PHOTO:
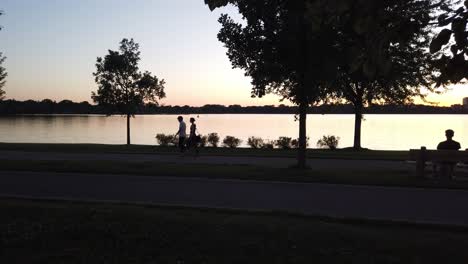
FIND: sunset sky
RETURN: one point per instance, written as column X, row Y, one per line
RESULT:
column 52, row 47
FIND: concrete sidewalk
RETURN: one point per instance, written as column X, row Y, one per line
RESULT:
column 429, row 206
column 272, row 162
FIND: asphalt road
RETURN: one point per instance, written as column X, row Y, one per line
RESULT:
column 433, row 206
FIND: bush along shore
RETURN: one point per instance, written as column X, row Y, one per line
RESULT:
column 213, row 139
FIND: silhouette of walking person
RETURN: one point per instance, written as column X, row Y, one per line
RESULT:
column 446, row 168
column 194, row 139
column 182, row 133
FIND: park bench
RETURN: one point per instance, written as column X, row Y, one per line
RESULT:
column 421, row 156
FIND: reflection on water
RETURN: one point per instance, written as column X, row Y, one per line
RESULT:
column 390, row 132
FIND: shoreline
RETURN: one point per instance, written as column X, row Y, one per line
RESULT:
column 196, row 113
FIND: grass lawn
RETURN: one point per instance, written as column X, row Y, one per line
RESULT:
column 311, row 153
column 243, row 172
column 66, row 232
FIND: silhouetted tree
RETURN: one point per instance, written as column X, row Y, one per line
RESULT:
column 286, row 47
column 47, row 106
column 122, row 87
column 3, row 73
column 1, row 13
column 454, row 66
column 383, row 45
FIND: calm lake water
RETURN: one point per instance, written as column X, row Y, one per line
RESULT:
column 389, row 132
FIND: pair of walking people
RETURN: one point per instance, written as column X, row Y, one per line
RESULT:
column 193, row 139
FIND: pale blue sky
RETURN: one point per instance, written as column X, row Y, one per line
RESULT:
column 52, row 46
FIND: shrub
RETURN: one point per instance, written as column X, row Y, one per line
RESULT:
column 213, row 139
column 203, row 141
column 284, row 143
column 255, row 142
column 231, row 142
column 166, row 140
column 268, row 144
column 330, row 142
column 295, row 143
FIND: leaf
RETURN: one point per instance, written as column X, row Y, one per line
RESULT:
column 361, row 26
column 445, row 7
column 458, row 28
column 369, row 70
column 458, row 25
column 443, row 20
column 340, row 6
column 213, row 4
column 456, row 68
column 454, row 49
column 386, row 67
column 355, row 60
column 441, row 40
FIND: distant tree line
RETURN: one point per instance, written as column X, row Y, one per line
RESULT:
column 47, row 106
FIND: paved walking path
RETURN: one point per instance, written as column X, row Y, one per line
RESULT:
column 448, row 207
column 274, row 162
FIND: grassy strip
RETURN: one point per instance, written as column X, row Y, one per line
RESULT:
column 101, row 148
column 242, row 172
column 65, row 232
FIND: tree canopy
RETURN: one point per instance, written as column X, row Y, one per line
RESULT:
column 283, row 47
column 311, row 51
column 122, row 87
column 453, row 42
column 286, row 47
column 3, row 73
column 1, row 13
column 383, row 46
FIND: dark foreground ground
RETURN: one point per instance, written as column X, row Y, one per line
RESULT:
column 326, row 170
column 210, row 151
column 397, row 204
column 65, row 232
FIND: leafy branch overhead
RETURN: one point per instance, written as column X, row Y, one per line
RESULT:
column 213, row 4
column 454, row 37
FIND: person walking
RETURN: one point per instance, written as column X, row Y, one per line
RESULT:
column 182, row 133
column 194, row 139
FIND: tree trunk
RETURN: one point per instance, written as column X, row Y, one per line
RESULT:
column 357, row 126
column 301, row 155
column 128, row 129
column 303, row 99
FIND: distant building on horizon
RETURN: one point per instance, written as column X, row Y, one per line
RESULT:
column 465, row 102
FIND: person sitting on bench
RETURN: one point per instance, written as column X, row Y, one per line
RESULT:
column 446, row 168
